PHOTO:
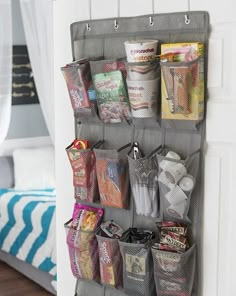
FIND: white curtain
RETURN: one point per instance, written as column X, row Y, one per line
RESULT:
column 37, row 18
column 5, row 67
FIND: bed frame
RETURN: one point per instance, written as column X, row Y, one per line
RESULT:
column 40, row 277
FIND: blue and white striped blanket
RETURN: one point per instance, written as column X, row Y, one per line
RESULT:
column 27, row 227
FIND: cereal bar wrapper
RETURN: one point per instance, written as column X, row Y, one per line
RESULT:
column 112, row 97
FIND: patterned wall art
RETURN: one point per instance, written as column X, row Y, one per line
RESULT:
column 23, row 86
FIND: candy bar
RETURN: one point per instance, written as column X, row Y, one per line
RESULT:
column 176, row 229
column 178, row 237
column 174, row 243
column 163, row 247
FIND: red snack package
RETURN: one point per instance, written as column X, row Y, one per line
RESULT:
column 78, row 79
column 84, row 170
column 112, row 175
column 178, row 237
column 110, row 261
column 81, row 144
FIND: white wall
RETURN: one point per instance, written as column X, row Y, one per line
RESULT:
column 220, row 201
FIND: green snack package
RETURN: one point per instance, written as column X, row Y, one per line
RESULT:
column 112, row 98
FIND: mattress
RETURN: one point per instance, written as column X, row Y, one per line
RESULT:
column 27, row 227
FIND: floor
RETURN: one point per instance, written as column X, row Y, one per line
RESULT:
column 12, row 283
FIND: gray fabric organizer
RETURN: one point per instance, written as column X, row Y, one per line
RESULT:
column 95, row 38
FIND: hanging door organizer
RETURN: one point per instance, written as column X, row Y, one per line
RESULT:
column 105, row 38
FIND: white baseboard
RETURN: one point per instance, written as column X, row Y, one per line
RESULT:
column 8, row 146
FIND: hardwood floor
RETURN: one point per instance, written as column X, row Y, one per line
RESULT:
column 12, row 283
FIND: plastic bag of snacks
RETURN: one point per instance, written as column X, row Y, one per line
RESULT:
column 112, row 98
column 82, row 242
column 109, row 253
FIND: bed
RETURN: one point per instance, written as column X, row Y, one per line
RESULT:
column 27, row 228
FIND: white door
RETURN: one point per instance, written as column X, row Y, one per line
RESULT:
column 219, row 257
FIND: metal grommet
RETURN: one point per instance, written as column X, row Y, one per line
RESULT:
column 187, row 19
column 88, row 27
column 116, row 26
column 151, row 22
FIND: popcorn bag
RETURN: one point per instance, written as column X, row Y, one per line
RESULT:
column 82, row 242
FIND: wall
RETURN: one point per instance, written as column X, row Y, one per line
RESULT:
column 26, row 120
column 220, row 173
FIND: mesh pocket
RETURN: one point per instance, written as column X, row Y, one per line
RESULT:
column 83, row 253
column 112, row 175
column 173, row 272
column 144, row 185
column 177, row 179
column 137, row 269
column 183, row 90
column 110, row 261
column 84, row 173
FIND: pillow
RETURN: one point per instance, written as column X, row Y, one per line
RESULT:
column 6, row 172
column 34, row 168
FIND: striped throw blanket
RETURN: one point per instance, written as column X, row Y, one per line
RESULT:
column 27, row 227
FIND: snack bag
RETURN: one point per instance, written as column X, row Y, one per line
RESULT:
column 86, row 218
column 78, row 79
column 82, row 243
column 112, row 181
column 82, row 162
column 113, row 102
column 109, row 253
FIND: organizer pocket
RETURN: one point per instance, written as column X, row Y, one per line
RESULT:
column 173, row 272
column 110, row 261
column 112, row 175
column 83, row 253
column 137, row 269
column 84, row 173
column 183, row 90
column 177, row 179
column 143, row 174
column 79, row 81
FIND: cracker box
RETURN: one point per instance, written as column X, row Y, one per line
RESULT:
column 182, row 81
